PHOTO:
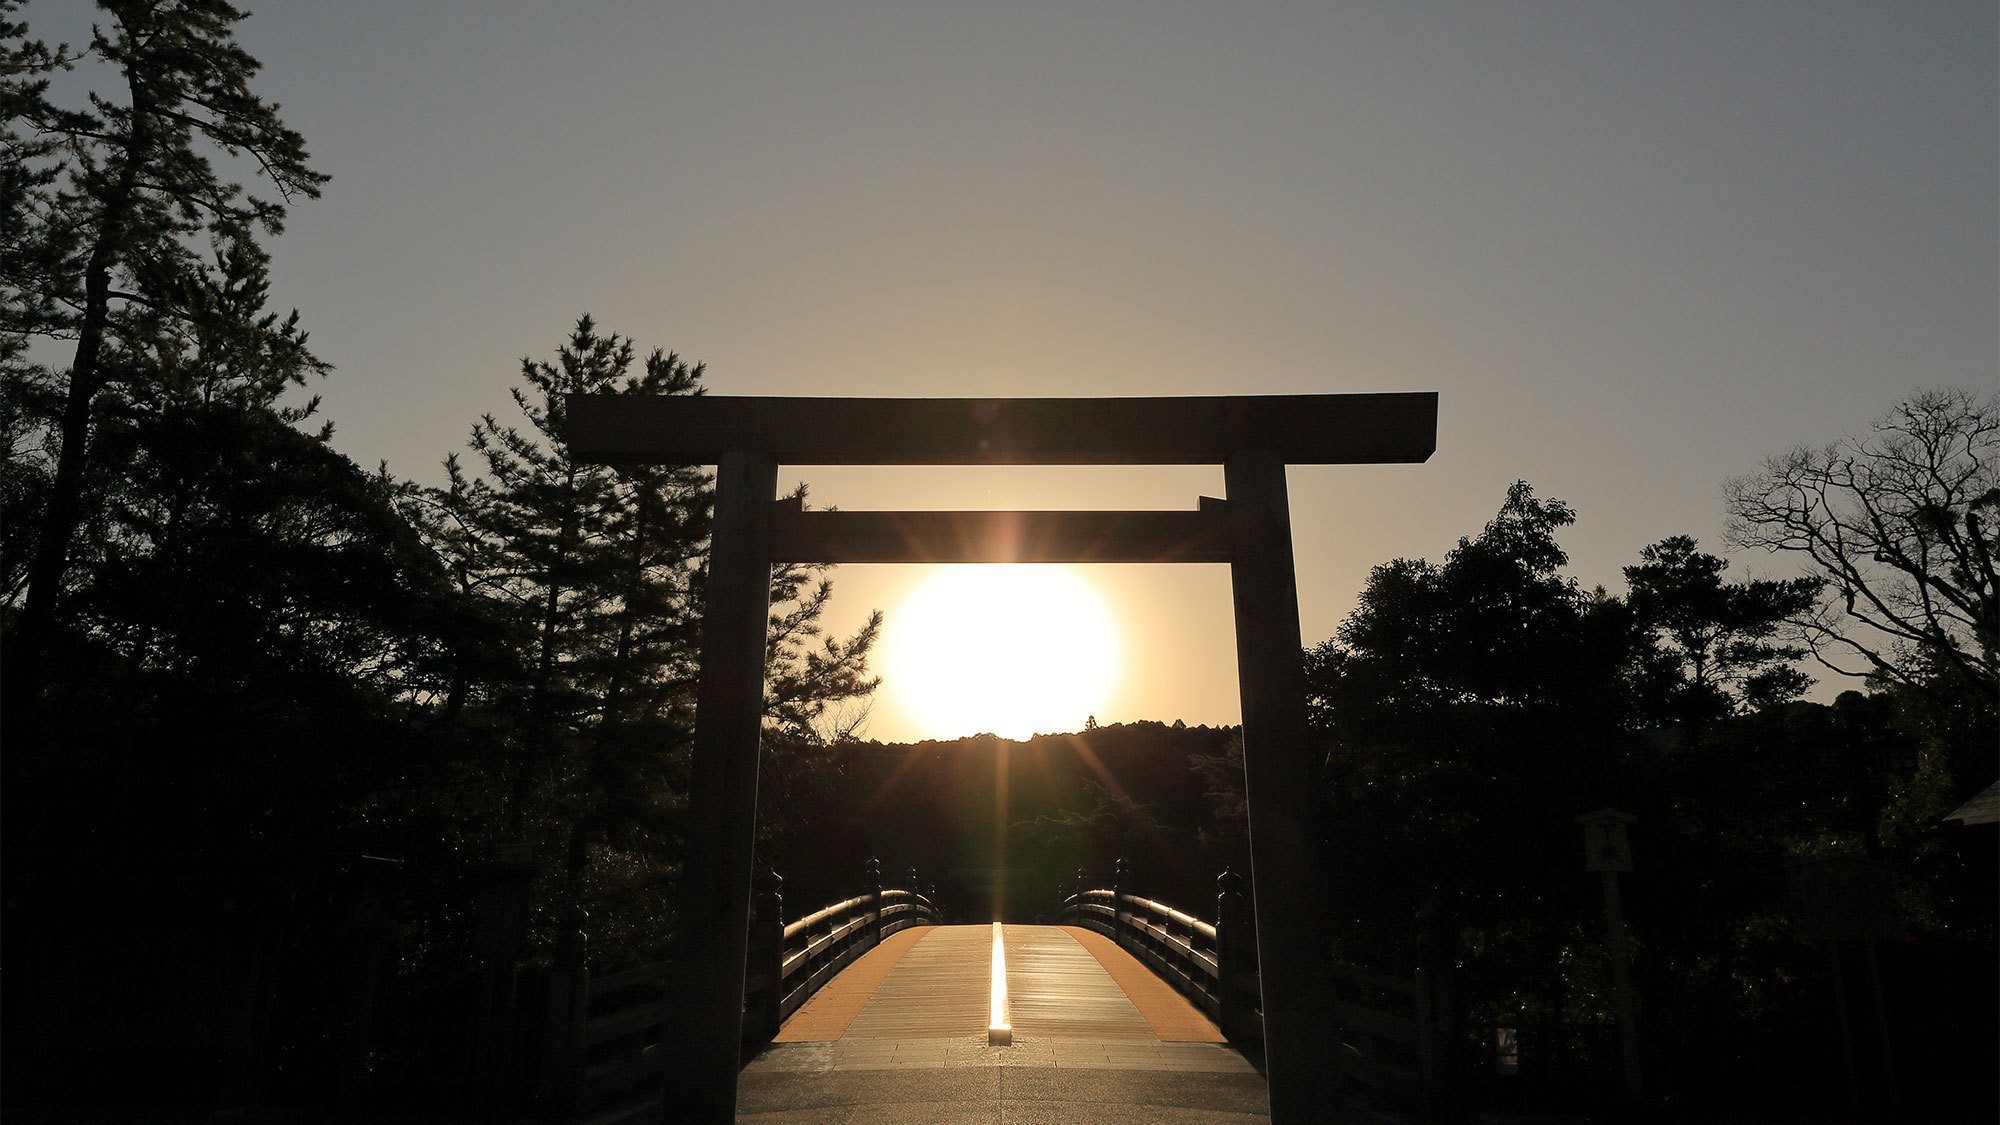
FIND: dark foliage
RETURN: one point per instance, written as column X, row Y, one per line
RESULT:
column 1472, row 708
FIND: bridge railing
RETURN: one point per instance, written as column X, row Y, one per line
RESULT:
column 601, row 1055
column 1395, row 1033
column 1399, row 1035
column 1213, row 964
column 603, row 1059
column 790, row 962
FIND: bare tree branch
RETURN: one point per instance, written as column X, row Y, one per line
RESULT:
column 1900, row 523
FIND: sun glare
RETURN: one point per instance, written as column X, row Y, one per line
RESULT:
column 1011, row 650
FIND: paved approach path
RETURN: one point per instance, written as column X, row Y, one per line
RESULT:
column 901, row 1037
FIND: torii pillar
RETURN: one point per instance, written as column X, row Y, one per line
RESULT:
column 1253, row 438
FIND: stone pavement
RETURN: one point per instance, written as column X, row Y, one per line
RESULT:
column 1037, row 1080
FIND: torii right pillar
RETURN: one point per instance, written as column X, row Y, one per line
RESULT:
column 1279, row 787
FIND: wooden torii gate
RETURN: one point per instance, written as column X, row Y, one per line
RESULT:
column 1253, row 437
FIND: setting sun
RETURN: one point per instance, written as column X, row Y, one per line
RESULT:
column 1011, row 650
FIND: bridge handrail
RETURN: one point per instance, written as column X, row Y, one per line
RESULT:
column 794, row 929
column 603, row 1051
column 1181, row 953
column 1189, row 921
column 1209, row 963
column 847, row 928
column 1398, row 1033
column 789, row 962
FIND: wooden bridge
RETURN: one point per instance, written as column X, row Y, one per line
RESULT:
column 905, row 1034
column 874, row 1009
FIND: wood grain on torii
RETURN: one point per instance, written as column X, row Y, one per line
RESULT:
column 1254, row 438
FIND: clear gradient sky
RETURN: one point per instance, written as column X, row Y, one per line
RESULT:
column 1636, row 247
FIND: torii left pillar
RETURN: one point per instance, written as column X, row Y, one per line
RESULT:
column 715, row 871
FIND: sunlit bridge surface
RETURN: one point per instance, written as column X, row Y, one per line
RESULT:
column 904, row 1034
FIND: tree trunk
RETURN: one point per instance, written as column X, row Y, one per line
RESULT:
column 26, row 665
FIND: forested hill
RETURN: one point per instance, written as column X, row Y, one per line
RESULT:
column 1165, row 797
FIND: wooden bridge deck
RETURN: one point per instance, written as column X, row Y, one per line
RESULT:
column 901, row 1036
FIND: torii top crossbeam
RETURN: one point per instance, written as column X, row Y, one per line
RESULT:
column 1338, row 429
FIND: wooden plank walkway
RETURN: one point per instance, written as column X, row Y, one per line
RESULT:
column 828, row 1013
column 1173, row 1018
column 938, row 990
column 1060, row 991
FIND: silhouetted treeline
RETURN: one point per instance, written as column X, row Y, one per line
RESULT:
column 303, row 761
column 1055, row 803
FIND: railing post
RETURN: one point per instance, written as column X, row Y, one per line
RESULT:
column 499, row 935
column 1121, row 884
column 568, row 1012
column 767, row 944
column 1437, row 957
column 1230, row 985
column 1427, row 1044
column 910, row 880
column 872, row 883
column 366, row 933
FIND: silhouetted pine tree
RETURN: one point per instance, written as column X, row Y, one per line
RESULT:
column 598, row 572
column 1712, row 651
column 127, row 243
